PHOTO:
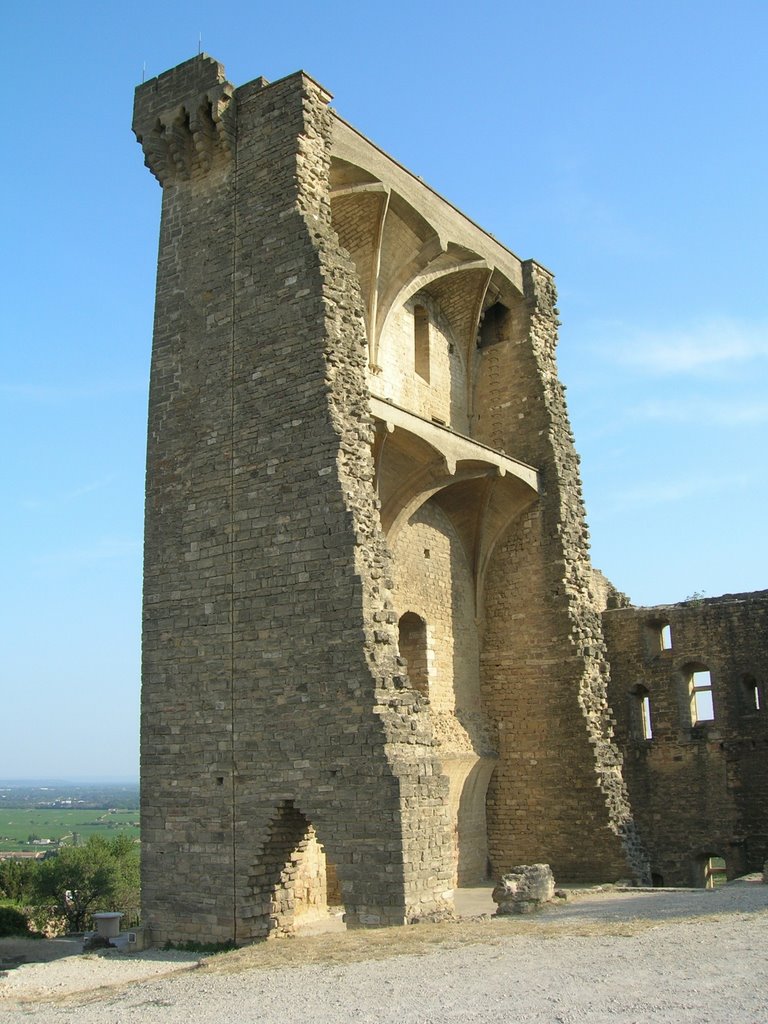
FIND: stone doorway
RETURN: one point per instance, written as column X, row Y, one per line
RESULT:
column 292, row 881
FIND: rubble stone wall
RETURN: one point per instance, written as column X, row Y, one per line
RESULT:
column 698, row 789
column 543, row 662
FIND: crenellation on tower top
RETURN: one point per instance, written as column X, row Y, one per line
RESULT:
column 185, row 120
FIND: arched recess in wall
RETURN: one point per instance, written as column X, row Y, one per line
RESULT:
column 481, row 494
column 289, row 883
column 480, row 489
column 433, row 594
column 471, row 824
column 397, row 252
column 481, row 309
column 433, row 591
column 414, row 647
column 424, row 349
column 421, row 368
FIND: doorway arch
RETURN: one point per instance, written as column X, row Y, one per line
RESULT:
column 288, row 882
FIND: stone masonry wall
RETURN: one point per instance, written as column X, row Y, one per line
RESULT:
column 186, row 728
column 433, row 579
column 543, row 665
column 698, row 790
column 272, row 691
column 277, row 713
column 444, row 396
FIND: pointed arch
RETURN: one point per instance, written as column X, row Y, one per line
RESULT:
column 288, row 878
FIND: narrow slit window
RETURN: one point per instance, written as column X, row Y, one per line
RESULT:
column 645, row 717
column 421, row 342
column 752, row 695
column 642, row 724
column 413, row 647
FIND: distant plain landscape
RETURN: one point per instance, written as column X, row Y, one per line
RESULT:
column 40, row 816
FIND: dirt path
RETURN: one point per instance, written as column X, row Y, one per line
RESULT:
column 628, row 958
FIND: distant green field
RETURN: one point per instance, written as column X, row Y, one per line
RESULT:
column 18, row 824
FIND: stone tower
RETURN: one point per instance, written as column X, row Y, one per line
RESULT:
column 372, row 661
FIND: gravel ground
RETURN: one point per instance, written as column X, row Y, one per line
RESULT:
column 624, row 957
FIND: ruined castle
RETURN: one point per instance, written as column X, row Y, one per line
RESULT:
column 377, row 663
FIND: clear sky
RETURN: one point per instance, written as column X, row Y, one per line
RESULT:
column 621, row 144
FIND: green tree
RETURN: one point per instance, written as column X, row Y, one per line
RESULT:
column 17, row 880
column 101, row 874
column 126, row 854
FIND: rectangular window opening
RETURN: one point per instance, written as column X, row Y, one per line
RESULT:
column 702, row 705
column 421, row 342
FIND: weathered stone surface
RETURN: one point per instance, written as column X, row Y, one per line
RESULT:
column 524, row 888
column 272, row 710
column 373, row 660
column 698, row 780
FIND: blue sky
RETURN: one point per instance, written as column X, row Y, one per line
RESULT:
column 621, row 144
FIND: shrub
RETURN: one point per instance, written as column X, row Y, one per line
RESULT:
column 13, row 922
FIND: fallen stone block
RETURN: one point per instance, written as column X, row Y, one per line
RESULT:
column 524, row 889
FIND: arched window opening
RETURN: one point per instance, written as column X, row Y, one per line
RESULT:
column 492, row 325
column 700, row 694
column 753, row 698
column 642, row 725
column 421, row 342
column 413, row 647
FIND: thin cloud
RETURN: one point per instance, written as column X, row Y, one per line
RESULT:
column 50, row 393
column 106, row 549
column 65, row 497
column 668, row 492
column 733, row 413
column 572, row 200
column 708, row 348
